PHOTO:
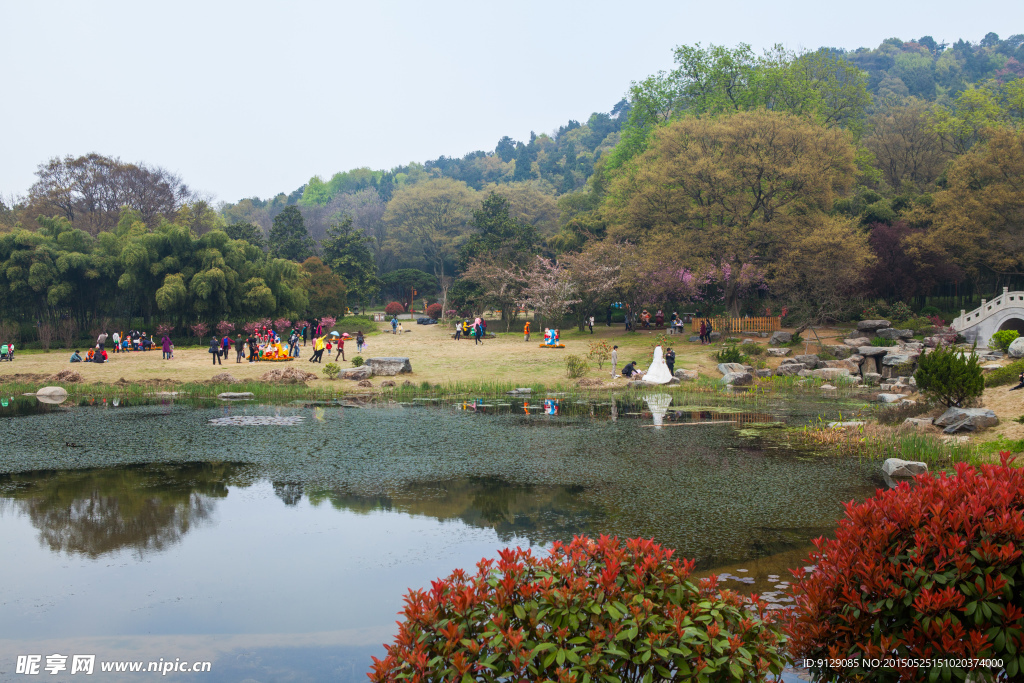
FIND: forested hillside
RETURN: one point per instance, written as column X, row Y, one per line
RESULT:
column 821, row 181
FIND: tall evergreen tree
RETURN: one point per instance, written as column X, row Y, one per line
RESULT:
column 347, row 251
column 289, row 238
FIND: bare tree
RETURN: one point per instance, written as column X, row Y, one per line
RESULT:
column 45, row 332
column 67, row 331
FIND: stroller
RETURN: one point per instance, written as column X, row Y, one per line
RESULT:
column 6, row 353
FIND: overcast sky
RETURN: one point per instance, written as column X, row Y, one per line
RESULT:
column 253, row 98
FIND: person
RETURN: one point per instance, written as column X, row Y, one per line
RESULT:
column 394, row 325
column 1020, row 384
column 659, row 319
column 400, row 330
column 75, row 357
column 658, row 372
column 615, row 360
column 226, row 345
column 90, row 356
column 476, row 334
column 251, row 342
column 328, row 345
column 165, row 345
column 293, row 344
column 590, row 321
column 360, row 341
column 305, row 330
column 10, row 351
column 215, row 350
column 101, row 339
column 670, row 361
column 116, row 339
column 632, row 371
column 526, row 331
column 318, row 350
column 703, row 331
column 458, row 333
column 239, row 349
column 341, row 348
column 124, row 344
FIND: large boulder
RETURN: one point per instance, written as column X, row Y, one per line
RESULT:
column 830, row 373
column 780, row 337
column 857, row 341
column 967, row 419
column 1016, row 349
column 686, row 375
column 893, row 333
column 871, row 378
column 874, row 350
column 52, row 395
column 357, row 374
column 895, row 467
column 790, row 369
column 840, row 350
column 809, row 359
column 235, row 395
column 894, row 359
column 715, row 336
column 726, row 368
column 778, row 353
column 738, row 379
column 388, row 366
column 872, row 326
column 845, row 364
column 890, row 398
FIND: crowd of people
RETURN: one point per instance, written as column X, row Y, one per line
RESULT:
column 478, row 329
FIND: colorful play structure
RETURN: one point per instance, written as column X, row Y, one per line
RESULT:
column 551, row 340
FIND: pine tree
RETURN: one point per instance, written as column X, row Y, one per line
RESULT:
column 949, row 376
column 289, row 238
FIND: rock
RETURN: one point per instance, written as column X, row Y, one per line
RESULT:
column 806, row 373
column 789, row 370
column 856, row 358
column 1016, row 349
column 889, row 398
column 738, row 379
column 991, row 366
column 235, row 395
column 840, row 350
column 895, row 467
column 715, row 336
column 526, row 391
column 893, row 333
column 843, row 425
column 726, row 368
column 695, row 338
column 894, row 359
column 918, row 422
column 687, row 375
column 845, row 364
column 366, row 383
column 915, row 347
column 52, row 395
column 827, row 389
column 388, row 383
column 830, row 373
column 809, row 359
column 871, row 378
column 780, row 337
column 389, row 366
column 870, row 326
column 857, row 341
column 966, row 419
column 873, row 350
column 778, row 353
column 360, row 373
column 765, row 372
column 791, row 361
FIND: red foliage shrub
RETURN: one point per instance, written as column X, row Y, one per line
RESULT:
column 591, row 611
column 394, row 308
column 434, row 311
column 926, row 570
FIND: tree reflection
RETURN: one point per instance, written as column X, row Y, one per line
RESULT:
column 542, row 513
column 145, row 508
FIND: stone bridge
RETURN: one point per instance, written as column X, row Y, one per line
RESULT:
column 1005, row 312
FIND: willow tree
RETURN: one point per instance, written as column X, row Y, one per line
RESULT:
column 731, row 192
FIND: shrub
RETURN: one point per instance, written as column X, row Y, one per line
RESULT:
column 592, row 610
column 331, row 370
column 199, row 330
column 931, row 569
column 394, row 308
column 921, row 325
column 1007, row 374
column 575, row 366
column 164, row 329
column 434, row 311
column 930, row 312
column 1003, row 338
column 730, row 354
column 948, row 376
column 751, row 349
column 600, row 352
column 882, row 341
column 357, row 361
column 282, row 325
column 900, row 311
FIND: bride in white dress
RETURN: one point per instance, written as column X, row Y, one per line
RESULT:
column 658, row 372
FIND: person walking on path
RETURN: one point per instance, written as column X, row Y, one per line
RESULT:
column 476, row 334
column 670, row 361
column 305, row 331
column 615, row 360
column 360, row 341
column 101, row 340
column 319, row 344
column 341, row 349
column 251, row 341
column 165, row 344
column 458, row 331
column 226, row 345
column 215, row 350
column 590, row 321
column 394, row 325
column 526, row 330
column 239, row 348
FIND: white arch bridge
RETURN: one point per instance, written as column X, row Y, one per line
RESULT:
column 1005, row 312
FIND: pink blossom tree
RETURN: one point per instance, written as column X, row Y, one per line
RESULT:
column 200, row 330
column 224, row 327
column 282, row 325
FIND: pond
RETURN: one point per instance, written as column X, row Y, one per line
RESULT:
column 277, row 541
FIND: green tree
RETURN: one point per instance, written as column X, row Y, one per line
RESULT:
column 500, row 239
column 289, row 238
column 347, row 252
column 408, row 283
column 949, row 376
column 325, row 290
column 249, row 232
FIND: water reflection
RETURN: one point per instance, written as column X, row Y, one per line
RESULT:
column 91, row 512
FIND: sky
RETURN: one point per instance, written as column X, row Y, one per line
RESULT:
column 254, row 98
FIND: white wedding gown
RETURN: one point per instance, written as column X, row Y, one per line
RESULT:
column 658, row 372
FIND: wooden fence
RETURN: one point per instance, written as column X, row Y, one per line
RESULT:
column 731, row 325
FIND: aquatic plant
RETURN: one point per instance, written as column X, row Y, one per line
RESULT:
column 591, row 610
column 929, row 570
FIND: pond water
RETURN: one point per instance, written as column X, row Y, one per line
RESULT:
column 277, row 541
